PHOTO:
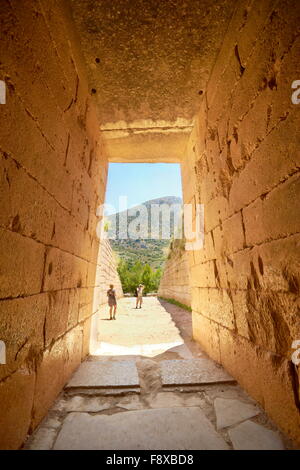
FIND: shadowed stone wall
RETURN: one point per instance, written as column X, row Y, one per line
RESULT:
column 106, row 274
column 242, row 163
column 53, row 177
column 175, row 281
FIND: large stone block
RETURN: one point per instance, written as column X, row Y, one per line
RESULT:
column 222, row 267
column 74, row 307
column 269, row 380
column 16, row 396
column 64, row 271
column 92, row 274
column 21, row 265
column 31, row 149
column 23, row 48
column 272, row 320
column 86, row 333
column 203, row 275
column 32, row 25
column 214, row 304
column 274, row 216
column 241, row 311
column 70, row 235
column 55, row 368
column 256, row 16
column 282, row 105
column 62, row 314
column 220, row 102
column 180, row 428
column 56, row 18
column 26, row 206
column 239, row 272
column 272, row 162
column 49, row 380
column 22, row 329
column 215, row 211
column 73, row 343
column 206, row 333
column 234, row 237
column 249, row 134
column 277, row 264
column 256, row 76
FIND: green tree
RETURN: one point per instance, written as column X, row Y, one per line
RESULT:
column 131, row 275
column 147, row 278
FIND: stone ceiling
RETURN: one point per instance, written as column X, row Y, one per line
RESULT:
column 148, row 63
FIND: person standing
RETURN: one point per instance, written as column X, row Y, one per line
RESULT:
column 139, row 296
column 112, row 302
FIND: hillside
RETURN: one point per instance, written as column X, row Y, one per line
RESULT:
column 139, row 248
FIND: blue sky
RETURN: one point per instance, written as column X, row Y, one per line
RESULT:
column 141, row 182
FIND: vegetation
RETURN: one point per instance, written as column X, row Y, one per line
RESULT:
column 175, row 302
column 106, row 225
column 152, row 251
column 133, row 275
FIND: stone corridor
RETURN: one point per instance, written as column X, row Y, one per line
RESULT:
column 213, row 86
column 157, row 396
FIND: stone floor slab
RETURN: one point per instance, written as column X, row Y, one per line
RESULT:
column 230, row 412
column 171, row 400
column 165, row 428
column 192, row 372
column 182, row 350
column 105, row 374
column 252, row 436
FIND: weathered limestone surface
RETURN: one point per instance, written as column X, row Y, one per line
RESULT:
column 252, row 436
column 191, row 372
column 179, row 428
column 155, row 58
column 242, row 163
column 105, row 374
column 231, row 412
column 106, row 274
column 175, row 282
column 53, row 175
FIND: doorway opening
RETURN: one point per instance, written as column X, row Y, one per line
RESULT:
column 139, row 229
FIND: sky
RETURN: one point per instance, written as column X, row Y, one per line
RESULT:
column 141, row 182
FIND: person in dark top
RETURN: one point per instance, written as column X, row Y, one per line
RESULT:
column 112, row 302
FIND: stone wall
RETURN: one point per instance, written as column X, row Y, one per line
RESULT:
column 53, row 177
column 242, row 163
column 106, row 274
column 175, row 281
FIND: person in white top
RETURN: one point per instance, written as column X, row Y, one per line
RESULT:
column 139, row 296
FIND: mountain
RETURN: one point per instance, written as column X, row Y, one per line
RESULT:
column 144, row 240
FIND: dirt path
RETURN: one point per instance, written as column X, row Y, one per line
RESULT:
column 159, row 330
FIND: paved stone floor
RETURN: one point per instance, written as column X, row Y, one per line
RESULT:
column 147, row 385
